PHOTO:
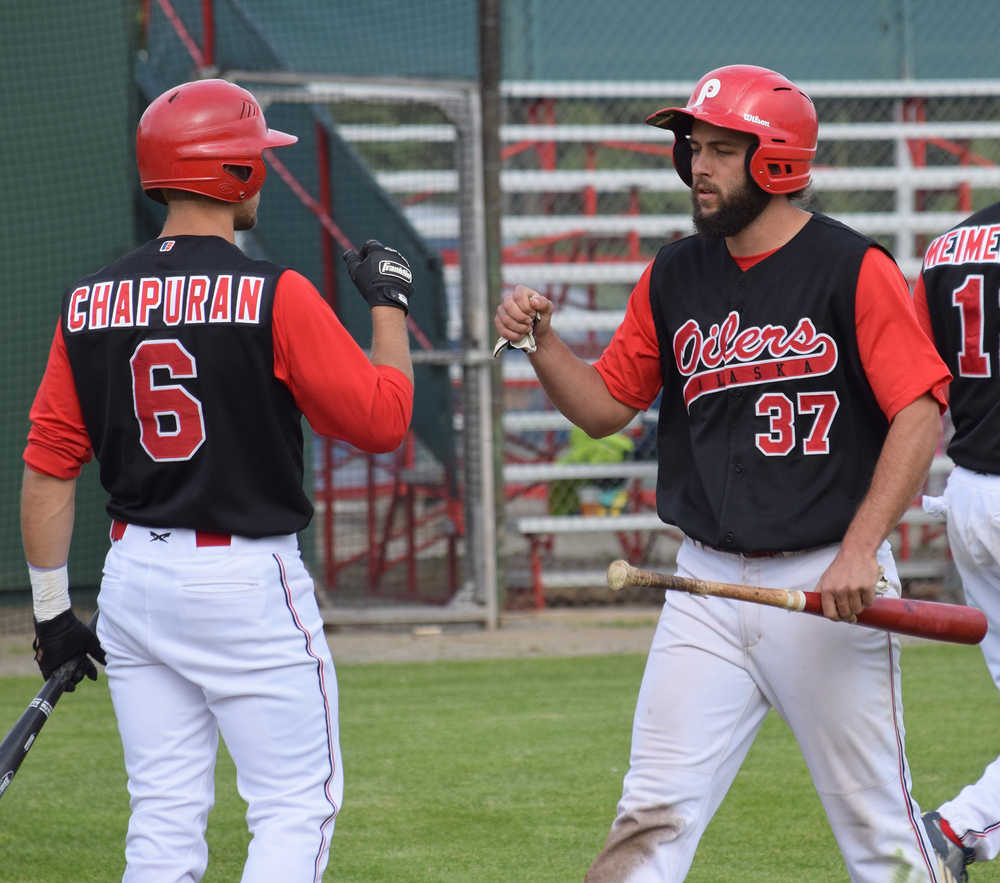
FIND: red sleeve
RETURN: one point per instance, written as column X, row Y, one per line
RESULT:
column 630, row 365
column 58, row 441
column 342, row 394
column 899, row 359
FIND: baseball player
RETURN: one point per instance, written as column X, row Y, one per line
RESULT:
column 185, row 368
column 956, row 298
column 800, row 411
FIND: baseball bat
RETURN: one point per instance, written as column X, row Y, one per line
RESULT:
column 956, row 623
column 18, row 742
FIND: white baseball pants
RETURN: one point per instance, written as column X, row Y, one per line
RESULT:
column 208, row 640
column 715, row 668
column 972, row 503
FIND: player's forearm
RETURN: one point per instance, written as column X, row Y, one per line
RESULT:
column 47, row 512
column 899, row 474
column 577, row 389
column 390, row 340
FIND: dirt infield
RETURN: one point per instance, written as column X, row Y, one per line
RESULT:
column 557, row 632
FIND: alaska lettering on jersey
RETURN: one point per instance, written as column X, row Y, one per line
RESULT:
column 172, row 353
column 768, row 429
column 729, row 357
column 173, row 300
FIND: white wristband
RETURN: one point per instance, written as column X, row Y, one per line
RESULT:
column 49, row 591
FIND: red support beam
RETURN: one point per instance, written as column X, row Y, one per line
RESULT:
column 182, row 33
column 326, row 207
column 207, row 33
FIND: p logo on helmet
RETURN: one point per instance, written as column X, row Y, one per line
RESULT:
column 710, row 88
column 205, row 137
column 758, row 101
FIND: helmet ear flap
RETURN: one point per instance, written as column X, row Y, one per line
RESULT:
column 682, row 158
column 683, row 153
column 749, row 163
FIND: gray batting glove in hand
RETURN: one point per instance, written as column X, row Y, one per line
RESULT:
column 63, row 638
column 381, row 274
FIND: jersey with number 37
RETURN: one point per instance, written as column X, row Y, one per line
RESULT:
column 780, row 375
column 187, row 367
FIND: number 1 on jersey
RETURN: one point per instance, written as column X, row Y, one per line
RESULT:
column 968, row 297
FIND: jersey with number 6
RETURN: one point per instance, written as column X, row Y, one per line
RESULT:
column 187, row 367
column 958, row 301
column 780, row 374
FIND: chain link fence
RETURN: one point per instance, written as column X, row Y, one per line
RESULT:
column 387, row 112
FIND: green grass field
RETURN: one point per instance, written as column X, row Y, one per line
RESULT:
column 505, row 771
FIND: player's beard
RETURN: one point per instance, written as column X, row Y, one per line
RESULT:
column 735, row 212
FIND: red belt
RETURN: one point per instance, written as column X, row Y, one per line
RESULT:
column 201, row 537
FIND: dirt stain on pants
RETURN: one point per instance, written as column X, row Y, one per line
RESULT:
column 632, row 842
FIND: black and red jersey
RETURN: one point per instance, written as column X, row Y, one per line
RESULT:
column 774, row 410
column 958, row 299
column 187, row 366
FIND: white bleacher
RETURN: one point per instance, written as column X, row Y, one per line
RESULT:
column 646, row 521
column 903, row 178
column 441, row 225
column 547, row 421
column 902, row 223
column 598, row 132
column 533, row 473
column 539, row 529
column 658, row 89
column 665, row 180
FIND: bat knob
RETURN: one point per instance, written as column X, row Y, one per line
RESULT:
column 618, row 574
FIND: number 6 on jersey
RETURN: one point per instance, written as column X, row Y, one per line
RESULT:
column 171, row 423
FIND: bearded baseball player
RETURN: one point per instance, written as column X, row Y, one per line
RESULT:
column 185, row 368
column 801, row 409
column 956, row 297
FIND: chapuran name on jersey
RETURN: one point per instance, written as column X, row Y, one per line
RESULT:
column 174, row 300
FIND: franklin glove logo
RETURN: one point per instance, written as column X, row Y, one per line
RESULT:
column 393, row 268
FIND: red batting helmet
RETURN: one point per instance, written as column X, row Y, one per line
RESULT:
column 758, row 101
column 205, row 137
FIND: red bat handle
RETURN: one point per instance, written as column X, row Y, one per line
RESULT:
column 922, row 619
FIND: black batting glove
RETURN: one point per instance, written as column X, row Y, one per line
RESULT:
column 381, row 274
column 63, row 638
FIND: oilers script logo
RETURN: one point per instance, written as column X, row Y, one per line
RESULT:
column 729, row 356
